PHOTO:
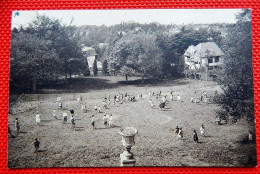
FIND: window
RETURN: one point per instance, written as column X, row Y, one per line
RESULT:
column 210, row 68
column 210, row 60
column 216, row 59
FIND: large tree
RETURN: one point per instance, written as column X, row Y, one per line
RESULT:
column 237, row 76
column 32, row 61
column 136, row 54
column 43, row 50
column 60, row 37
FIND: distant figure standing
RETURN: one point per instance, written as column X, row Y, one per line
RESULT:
column 58, row 99
column 179, row 98
column 95, row 107
column 72, row 112
column 151, row 103
column 115, row 100
column 60, row 105
column 176, row 130
column 36, row 144
column 110, row 123
column 250, row 136
column 105, row 119
column 54, row 114
column 79, row 99
column 104, row 104
column 93, row 122
column 17, row 126
column 171, row 97
column 37, row 118
column 164, row 99
column 65, row 117
column 108, row 96
column 99, row 109
column 202, row 130
column 108, row 102
column 10, row 132
column 180, row 134
column 195, row 136
column 83, row 108
column 201, row 98
column 218, row 120
column 72, row 120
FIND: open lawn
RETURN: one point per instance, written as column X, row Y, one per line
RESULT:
column 156, row 143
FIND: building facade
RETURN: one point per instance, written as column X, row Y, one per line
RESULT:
column 202, row 58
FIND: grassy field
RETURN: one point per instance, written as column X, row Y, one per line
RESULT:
column 156, row 143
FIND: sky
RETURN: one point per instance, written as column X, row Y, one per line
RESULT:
column 111, row 17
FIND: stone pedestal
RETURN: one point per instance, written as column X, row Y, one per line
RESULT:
column 127, row 158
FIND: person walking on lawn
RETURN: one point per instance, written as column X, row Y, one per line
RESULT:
column 195, row 136
column 93, row 122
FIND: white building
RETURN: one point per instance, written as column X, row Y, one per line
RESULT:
column 202, row 55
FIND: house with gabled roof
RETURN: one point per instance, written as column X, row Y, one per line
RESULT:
column 206, row 55
column 203, row 54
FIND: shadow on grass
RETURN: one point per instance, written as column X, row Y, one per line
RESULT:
column 86, row 84
column 79, row 129
column 81, row 84
column 46, row 121
column 154, row 82
column 207, row 136
column 24, row 132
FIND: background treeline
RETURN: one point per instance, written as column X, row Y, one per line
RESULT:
column 47, row 51
column 149, row 50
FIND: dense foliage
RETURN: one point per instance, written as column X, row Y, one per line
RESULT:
column 42, row 52
column 237, row 77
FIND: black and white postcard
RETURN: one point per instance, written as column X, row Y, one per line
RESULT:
column 116, row 88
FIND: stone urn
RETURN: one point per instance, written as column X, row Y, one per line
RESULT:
column 128, row 135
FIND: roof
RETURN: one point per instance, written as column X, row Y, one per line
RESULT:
column 208, row 49
column 203, row 50
column 189, row 51
column 89, row 51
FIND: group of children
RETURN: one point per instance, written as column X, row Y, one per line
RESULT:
column 179, row 133
column 162, row 104
column 204, row 97
column 108, row 118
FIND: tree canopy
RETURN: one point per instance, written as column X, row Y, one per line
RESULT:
column 136, row 54
column 42, row 52
column 237, row 76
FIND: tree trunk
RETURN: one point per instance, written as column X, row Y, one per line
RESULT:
column 143, row 76
column 34, row 85
column 126, row 77
column 206, row 73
